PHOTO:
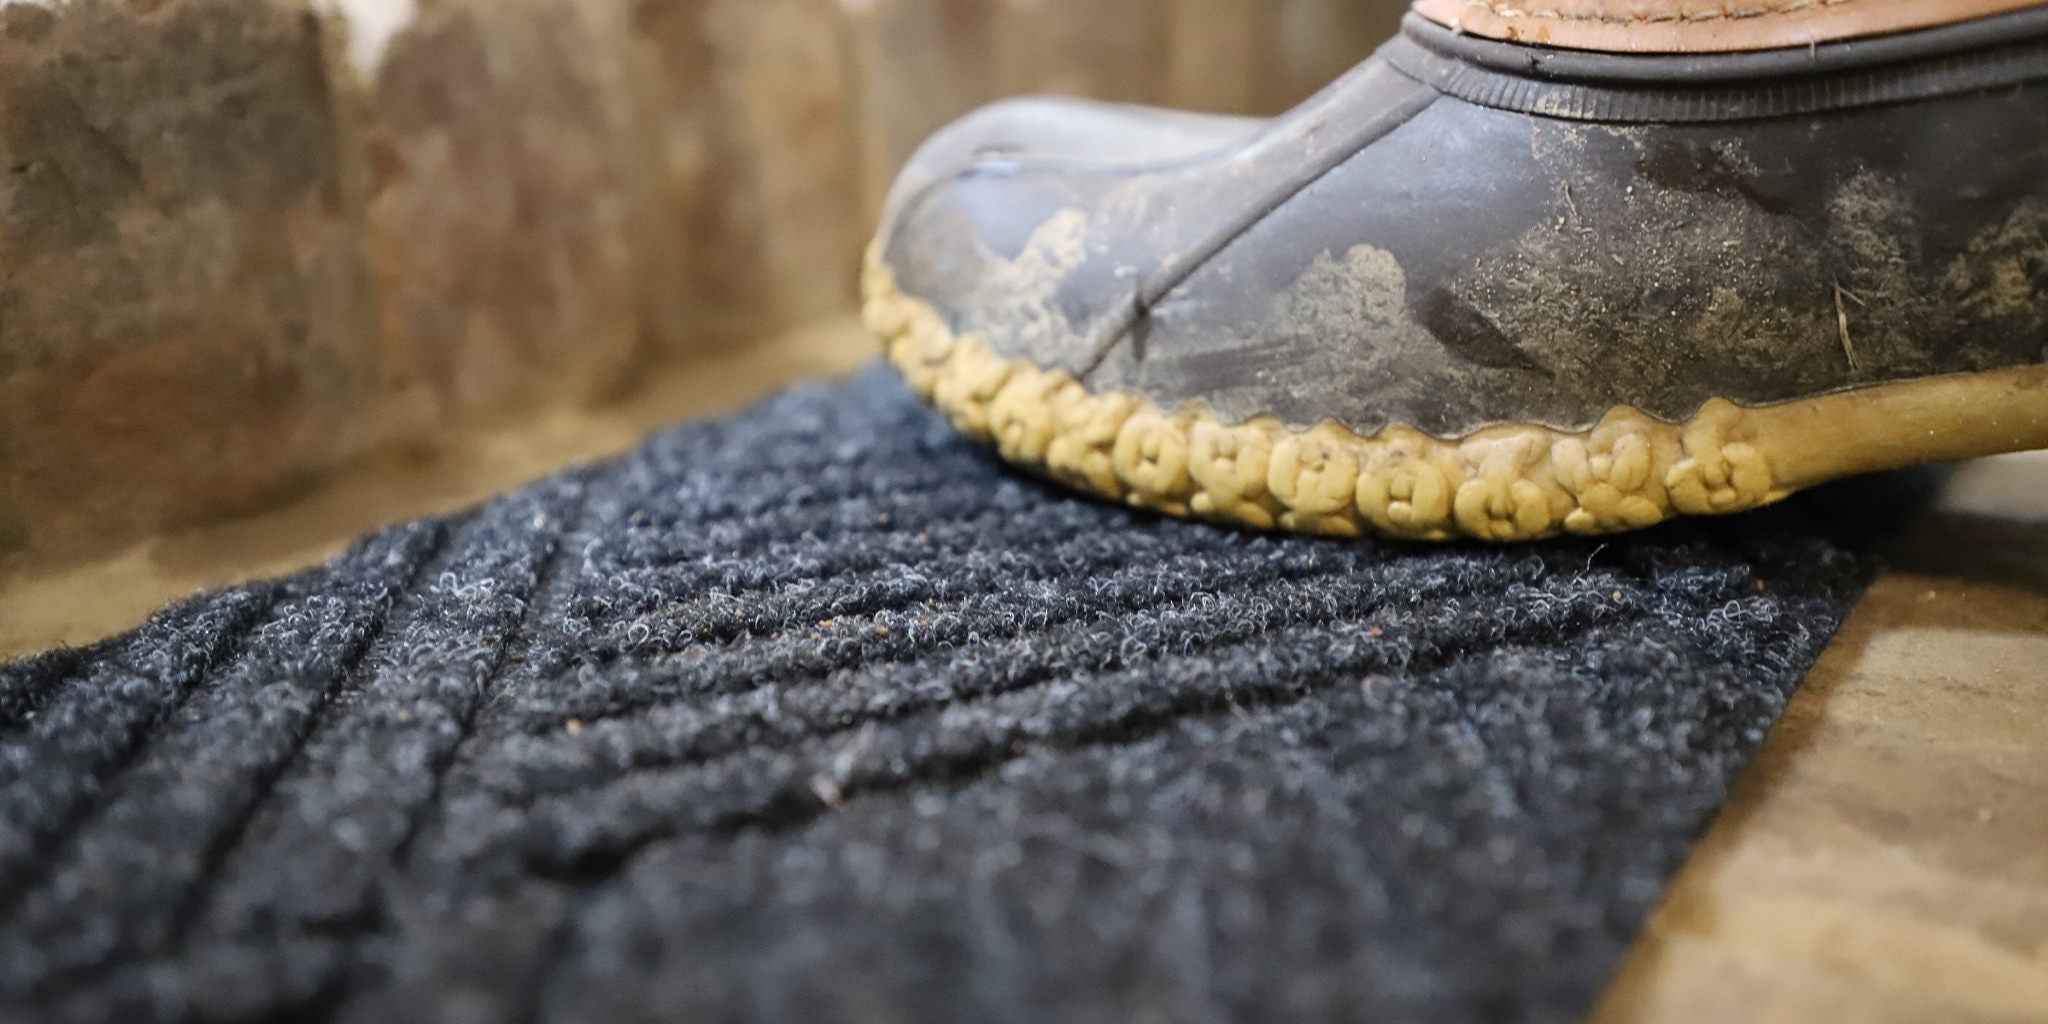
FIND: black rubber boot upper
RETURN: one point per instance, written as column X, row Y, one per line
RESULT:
column 1462, row 233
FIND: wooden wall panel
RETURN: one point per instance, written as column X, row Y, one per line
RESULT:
column 1113, row 51
column 1314, row 41
column 1220, row 55
column 753, row 106
column 917, row 64
column 503, row 224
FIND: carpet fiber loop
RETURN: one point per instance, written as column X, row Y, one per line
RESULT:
column 816, row 714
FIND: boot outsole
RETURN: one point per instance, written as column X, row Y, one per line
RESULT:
column 1512, row 482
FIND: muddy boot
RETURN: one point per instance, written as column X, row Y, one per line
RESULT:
column 1486, row 286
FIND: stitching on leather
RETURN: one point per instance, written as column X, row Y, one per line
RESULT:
column 1504, row 10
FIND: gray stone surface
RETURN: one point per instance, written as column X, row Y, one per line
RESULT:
column 183, row 299
column 245, row 241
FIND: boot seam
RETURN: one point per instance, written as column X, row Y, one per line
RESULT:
column 1502, row 10
column 1932, row 64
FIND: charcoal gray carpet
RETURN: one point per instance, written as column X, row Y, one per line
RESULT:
column 814, row 714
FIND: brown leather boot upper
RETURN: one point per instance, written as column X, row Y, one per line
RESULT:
column 1698, row 26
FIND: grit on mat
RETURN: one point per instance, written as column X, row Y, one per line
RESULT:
column 817, row 713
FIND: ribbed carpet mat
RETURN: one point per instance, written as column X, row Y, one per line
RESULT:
column 815, row 714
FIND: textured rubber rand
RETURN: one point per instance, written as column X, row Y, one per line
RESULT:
column 1505, row 483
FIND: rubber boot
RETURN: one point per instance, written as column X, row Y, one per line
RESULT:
column 1482, row 287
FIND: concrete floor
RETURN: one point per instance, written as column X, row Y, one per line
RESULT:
column 1885, row 859
column 1886, row 856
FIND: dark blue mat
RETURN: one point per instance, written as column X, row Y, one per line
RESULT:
column 815, row 714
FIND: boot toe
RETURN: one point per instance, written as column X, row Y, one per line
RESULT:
column 1465, row 292
column 993, row 220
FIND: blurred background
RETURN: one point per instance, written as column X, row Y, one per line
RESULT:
column 368, row 259
column 274, row 273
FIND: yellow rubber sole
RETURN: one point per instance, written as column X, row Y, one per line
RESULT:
column 1506, row 483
